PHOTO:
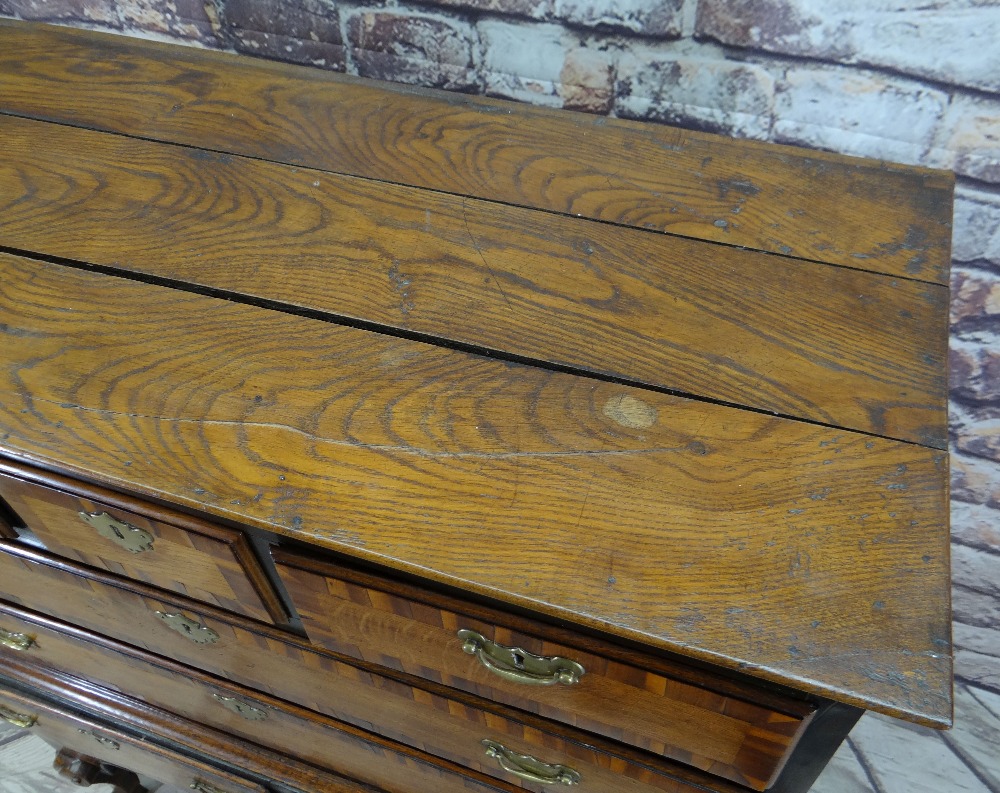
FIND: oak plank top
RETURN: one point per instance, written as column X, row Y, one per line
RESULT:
column 811, row 556
column 864, row 214
column 504, row 348
column 829, row 344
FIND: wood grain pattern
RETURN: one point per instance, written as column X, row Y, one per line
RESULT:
column 167, row 735
column 745, row 742
column 66, row 730
column 805, row 340
column 685, row 526
column 436, row 725
column 870, row 215
column 202, row 567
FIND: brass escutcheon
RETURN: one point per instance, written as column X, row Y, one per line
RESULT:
column 101, row 739
column 244, row 709
column 530, row 768
column 17, row 719
column 204, row 787
column 513, row 663
column 189, row 628
column 131, row 538
column 16, row 641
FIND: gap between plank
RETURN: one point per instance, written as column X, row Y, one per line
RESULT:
column 426, row 338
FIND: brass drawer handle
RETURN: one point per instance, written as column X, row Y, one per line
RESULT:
column 238, row 706
column 513, row 663
column 529, row 768
column 204, row 787
column 101, row 739
column 17, row 719
column 195, row 631
column 16, row 641
column 131, row 538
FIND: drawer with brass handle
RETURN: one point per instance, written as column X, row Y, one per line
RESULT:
column 264, row 661
column 237, row 711
column 670, row 710
column 155, row 545
column 66, row 730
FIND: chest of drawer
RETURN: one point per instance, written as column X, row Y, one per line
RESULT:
column 449, row 727
column 67, row 730
column 195, row 558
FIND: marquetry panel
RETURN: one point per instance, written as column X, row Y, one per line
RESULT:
column 725, row 735
column 437, row 725
column 216, row 566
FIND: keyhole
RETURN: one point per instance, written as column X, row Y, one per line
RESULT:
column 518, row 660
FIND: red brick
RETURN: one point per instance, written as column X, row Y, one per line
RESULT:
column 300, row 31
column 412, row 48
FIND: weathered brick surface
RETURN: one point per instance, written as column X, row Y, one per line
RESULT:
column 185, row 19
column 976, row 481
column 100, row 12
column 411, row 47
column 976, row 235
column 534, row 9
column 975, row 298
column 950, row 41
column 659, row 18
column 298, row 31
column 975, row 369
column 969, row 138
column 974, row 607
column 544, row 65
column 875, row 115
column 702, row 93
column 977, row 654
column 980, row 435
column 976, row 571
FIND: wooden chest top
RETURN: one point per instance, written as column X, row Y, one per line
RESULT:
column 682, row 390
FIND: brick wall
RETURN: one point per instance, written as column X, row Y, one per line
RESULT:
column 914, row 81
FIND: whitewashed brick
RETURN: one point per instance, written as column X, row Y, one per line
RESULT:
column 102, row 13
column 710, row 93
column 968, row 140
column 659, row 18
column 893, row 749
column 977, row 570
column 976, row 481
column 976, row 525
column 857, row 112
column 981, row 640
column 976, row 234
column 544, row 65
column 980, row 436
column 953, row 41
column 974, row 737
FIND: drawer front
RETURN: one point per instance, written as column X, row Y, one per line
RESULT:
column 236, row 711
column 200, row 560
column 68, row 731
column 719, row 733
column 443, row 727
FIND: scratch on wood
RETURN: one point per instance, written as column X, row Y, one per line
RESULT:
column 475, row 244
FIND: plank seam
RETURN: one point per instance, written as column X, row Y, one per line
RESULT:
column 425, row 338
column 493, row 201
